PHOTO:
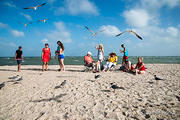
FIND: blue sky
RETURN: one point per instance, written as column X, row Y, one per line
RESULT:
column 157, row 21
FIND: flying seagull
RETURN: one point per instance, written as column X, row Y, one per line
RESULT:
column 93, row 33
column 35, row 7
column 43, row 20
column 25, row 24
column 129, row 32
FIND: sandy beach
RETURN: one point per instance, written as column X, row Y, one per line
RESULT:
column 39, row 96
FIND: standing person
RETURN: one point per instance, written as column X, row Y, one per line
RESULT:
column 125, row 53
column 46, row 56
column 60, row 53
column 100, row 56
column 19, row 57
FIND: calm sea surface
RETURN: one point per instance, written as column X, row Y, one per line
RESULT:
column 79, row 60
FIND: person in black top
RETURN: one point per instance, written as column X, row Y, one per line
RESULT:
column 19, row 57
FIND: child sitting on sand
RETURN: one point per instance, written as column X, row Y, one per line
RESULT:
column 112, row 61
column 127, row 66
column 133, row 67
column 140, row 68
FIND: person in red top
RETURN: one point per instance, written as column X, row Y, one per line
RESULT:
column 140, row 68
column 89, row 61
column 46, row 56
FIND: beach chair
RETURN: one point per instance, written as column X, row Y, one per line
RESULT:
column 87, row 68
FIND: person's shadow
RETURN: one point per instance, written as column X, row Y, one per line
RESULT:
column 56, row 98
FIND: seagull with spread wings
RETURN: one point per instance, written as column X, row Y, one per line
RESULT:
column 35, row 7
column 130, row 31
column 93, row 33
column 25, row 24
column 43, row 20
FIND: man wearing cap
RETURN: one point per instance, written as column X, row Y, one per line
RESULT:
column 89, row 61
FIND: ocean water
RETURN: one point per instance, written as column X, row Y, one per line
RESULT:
column 80, row 60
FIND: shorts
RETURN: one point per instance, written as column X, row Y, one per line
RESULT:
column 90, row 65
column 61, row 56
column 109, row 64
column 19, row 62
column 125, row 57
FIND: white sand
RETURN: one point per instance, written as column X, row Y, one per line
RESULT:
column 85, row 98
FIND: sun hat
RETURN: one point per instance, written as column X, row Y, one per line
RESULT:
column 89, row 53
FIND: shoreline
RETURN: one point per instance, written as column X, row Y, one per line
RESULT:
column 83, row 65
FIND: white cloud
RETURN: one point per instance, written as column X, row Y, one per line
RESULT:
column 110, row 30
column 60, row 33
column 17, row 33
column 9, row 4
column 179, row 25
column 76, row 7
column 172, row 31
column 2, row 25
column 45, row 40
column 137, row 17
column 157, row 4
column 26, row 16
column 5, row 43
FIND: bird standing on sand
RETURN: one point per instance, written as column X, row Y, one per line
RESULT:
column 156, row 78
column 93, row 33
column 61, row 85
column 2, row 85
column 35, row 7
column 130, row 31
column 97, row 76
column 116, row 87
column 44, row 20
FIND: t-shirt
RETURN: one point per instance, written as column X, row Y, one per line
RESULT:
column 113, row 59
column 88, row 59
column 60, row 51
column 19, row 54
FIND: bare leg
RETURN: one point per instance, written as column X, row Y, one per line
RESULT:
column 141, row 72
column 43, row 66
column 59, row 64
column 97, row 66
column 46, row 66
column 93, row 67
column 19, row 68
column 62, row 65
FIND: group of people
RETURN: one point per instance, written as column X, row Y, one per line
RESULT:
column 112, row 60
column 46, row 56
column 96, row 66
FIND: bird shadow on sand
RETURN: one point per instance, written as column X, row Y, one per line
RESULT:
column 56, row 98
column 38, row 69
column 8, row 70
column 75, row 70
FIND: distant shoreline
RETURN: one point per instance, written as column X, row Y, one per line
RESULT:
column 70, row 60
